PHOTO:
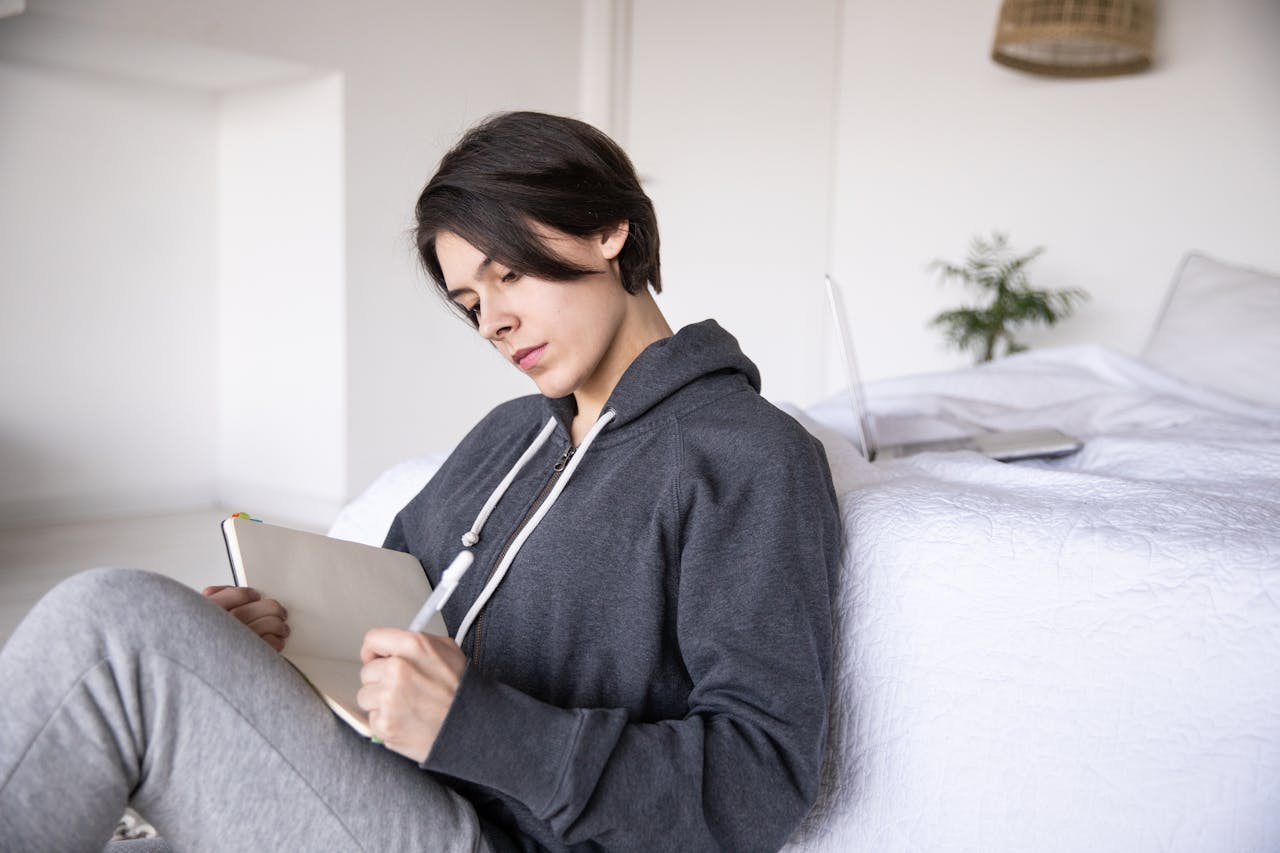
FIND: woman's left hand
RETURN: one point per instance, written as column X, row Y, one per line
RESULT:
column 264, row 616
column 409, row 681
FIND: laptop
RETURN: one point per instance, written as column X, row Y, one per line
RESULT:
column 1002, row 445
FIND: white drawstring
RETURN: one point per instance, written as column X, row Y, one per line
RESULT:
column 501, row 571
column 472, row 536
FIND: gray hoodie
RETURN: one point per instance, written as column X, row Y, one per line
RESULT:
column 652, row 669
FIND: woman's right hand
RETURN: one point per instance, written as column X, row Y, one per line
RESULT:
column 265, row 616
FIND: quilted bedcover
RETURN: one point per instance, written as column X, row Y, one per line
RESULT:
column 1076, row 654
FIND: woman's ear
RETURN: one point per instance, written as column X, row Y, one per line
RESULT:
column 613, row 239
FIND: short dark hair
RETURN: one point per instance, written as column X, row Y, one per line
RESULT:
column 516, row 169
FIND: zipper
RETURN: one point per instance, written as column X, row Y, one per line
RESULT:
column 477, row 628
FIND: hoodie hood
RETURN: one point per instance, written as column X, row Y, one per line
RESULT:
column 665, row 367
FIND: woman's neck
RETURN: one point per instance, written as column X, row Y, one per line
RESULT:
column 643, row 325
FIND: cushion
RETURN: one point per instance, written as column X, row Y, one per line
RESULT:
column 367, row 518
column 1220, row 327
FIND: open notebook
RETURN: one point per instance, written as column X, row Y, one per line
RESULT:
column 335, row 591
column 1004, row 445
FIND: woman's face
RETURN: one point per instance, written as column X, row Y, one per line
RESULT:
column 563, row 334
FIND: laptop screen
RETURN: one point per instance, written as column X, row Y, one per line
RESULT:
column 864, row 437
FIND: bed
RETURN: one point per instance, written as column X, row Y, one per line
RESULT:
column 1070, row 654
column 1076, row 654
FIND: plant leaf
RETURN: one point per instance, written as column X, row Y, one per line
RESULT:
column 1010, row 302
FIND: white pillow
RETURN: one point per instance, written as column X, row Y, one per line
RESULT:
column 367, row 518
column 1220, row 327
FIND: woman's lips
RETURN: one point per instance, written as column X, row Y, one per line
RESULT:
column 528, row 356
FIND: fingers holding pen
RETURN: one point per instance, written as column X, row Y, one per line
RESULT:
column 392, row 642
column 408, row 683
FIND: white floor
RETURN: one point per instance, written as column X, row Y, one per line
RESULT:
column 186, row 546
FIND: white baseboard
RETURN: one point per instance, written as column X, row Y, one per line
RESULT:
column 27, row 512
column 292, row 509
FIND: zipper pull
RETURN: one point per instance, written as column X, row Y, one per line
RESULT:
column 564, row 458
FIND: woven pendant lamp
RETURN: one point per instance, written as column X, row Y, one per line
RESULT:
column 1075, row 38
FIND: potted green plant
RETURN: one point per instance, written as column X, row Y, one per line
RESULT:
column 1008, row 301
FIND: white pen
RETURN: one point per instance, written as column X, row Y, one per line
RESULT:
column 444, row 589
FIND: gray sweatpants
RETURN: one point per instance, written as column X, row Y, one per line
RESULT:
column 126, row 687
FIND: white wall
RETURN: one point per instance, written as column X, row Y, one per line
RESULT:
column 106, row 295
column 418, row 377
column 1116, row 177
column 415, row 74
column 731, row 125
column 282, row 378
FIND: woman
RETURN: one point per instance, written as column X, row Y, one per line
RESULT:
column 641, row 655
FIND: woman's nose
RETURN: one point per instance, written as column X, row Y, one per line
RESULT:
column 496, row 322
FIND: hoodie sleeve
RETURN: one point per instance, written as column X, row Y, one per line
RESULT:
column 758, row 549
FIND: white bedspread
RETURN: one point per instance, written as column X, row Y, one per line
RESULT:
column 1078, row 655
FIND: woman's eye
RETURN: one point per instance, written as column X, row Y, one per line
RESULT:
column 510, row 277
column 473, row 313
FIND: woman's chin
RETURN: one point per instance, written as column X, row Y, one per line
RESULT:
column 549, row 387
